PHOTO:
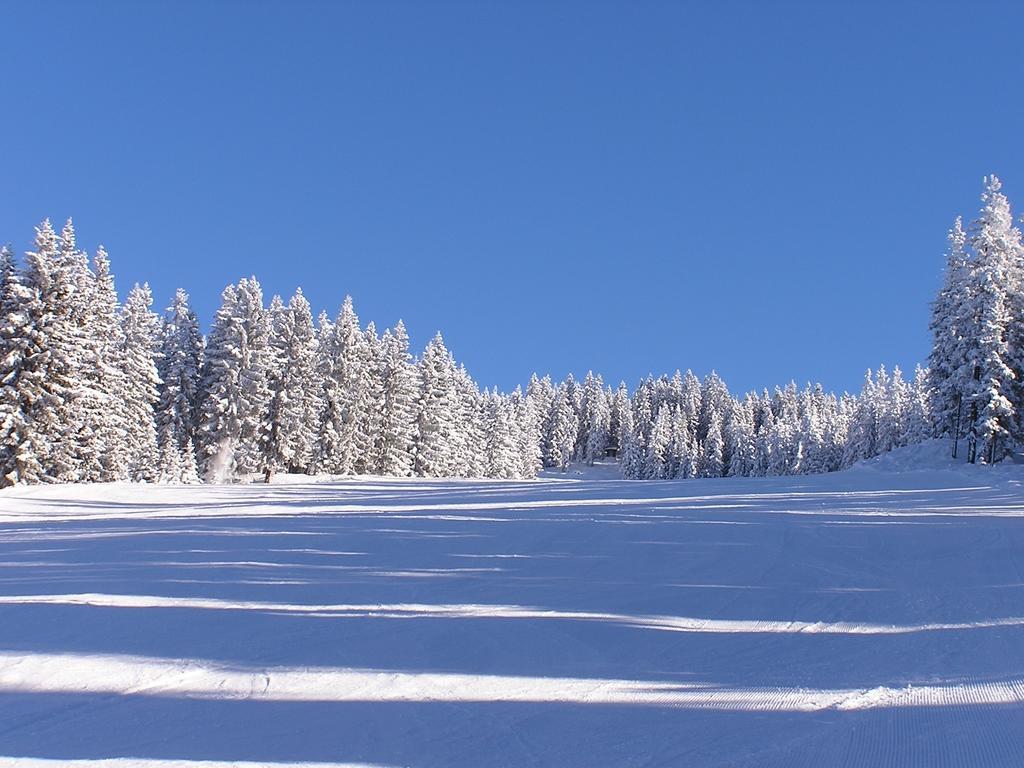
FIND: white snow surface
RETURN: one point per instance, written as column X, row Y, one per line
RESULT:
column 864, row 618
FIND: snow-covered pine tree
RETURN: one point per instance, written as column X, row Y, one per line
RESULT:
column 91, row 413
column 330, row 421
column 369, row 401
column 501, row 443
column 294, row 386
column 231, row 431
column 917, row 422
column 469, row 433
column 437, row 411
column 711, row 463
column 599, row 415
column 140, row 329
column 253, row 378
column 529, row 429
column 344, row 392
column 992, row 275
column 394, row 452
column 632, row 456
column 50, row 381
column 617, row 423
column 169, row 469
column 562, row 429
column 862, row 438
column 947, row 360
column 274, row 440
column 109, row 339
column 189, row 467
column 179, row 366
column 811, row 436
column 691, row 402
column 888, row 416
column 764, row 426
column 21, row 384
column 540, row 394
column 658, row 465
column 681, row 447
column 644, row 411
column 742, row 438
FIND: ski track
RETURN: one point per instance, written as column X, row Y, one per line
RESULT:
column 867, row 618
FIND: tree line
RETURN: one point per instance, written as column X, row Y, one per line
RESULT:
column 95, row 390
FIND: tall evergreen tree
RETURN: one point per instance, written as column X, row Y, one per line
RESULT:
column 438, row 408
column 179, row 366
column 294, row 385
column 22, row 452
column 394, row 448
column 232, row 426
column 110, row 370
column 140, row 338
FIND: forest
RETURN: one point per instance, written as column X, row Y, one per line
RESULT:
column 99, row 390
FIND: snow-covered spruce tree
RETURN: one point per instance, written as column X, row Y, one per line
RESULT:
column 179, row 365
column 370, row 403
column 862, row 437
column 681, row 447
column 917, row 420
column 632, row 458
column 169, row 469
column 598, row 415
column 501, row 438
column 330, row 421
column 621, row 406
column 592, row 415
column 232, row 424
column 437, row 411
column 811, row 438
column 110, row 369
column 21, row 385
column 540, row 393
column 561, row 430
column 993, row 275
column 273, row 438
column 346, row 386
column 294, row 387
column 140, row 331
column 528, row 422
column 947, row 361
column 644, row 411
column 51, row 379
column 92, row 412
column 658, row 465
column 218, row 428
column 711, row 462
column 470, row 437
column 691, row 401
column 399, row 389
column 741, row 437
column 189, row 467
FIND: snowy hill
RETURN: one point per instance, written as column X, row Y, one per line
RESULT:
column 935, row 455
column 862, row 618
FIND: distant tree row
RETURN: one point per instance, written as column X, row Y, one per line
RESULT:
column 93, row 390
column 683, row 427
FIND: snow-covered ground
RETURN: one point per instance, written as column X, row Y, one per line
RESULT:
column 871, row 617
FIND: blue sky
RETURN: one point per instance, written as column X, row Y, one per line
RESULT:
column 758, row 188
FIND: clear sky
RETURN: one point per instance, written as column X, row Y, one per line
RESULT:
column 759, row 188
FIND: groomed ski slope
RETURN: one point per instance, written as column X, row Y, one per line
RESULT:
column 867, row 618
